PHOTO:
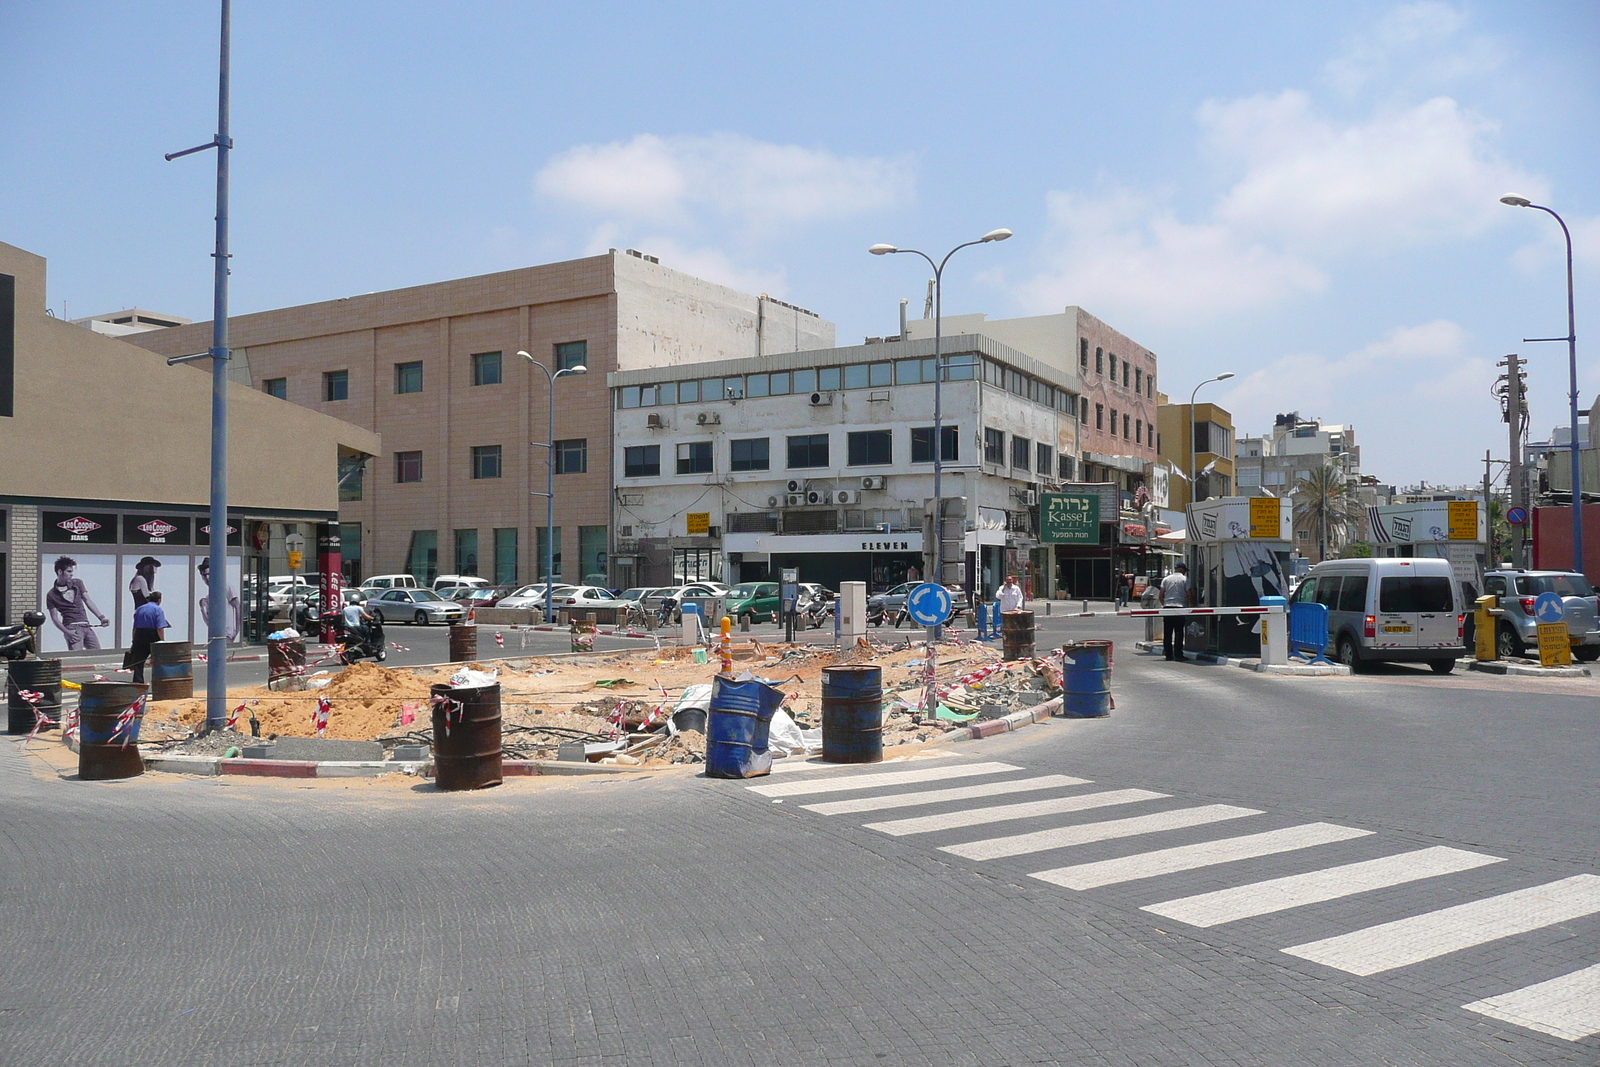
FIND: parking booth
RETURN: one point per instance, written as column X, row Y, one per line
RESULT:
column 1238, row 551
column 1456, row 530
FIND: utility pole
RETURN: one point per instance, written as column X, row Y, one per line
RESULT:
column 1515, row 411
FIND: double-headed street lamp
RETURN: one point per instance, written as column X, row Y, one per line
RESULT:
column 550, row 482
column 1224, row 376
column 1572, row 370
column 938, row 380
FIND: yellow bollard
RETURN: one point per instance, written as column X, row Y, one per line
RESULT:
column 1483, row 622
column 725, row 646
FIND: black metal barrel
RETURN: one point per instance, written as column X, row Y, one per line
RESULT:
column 852, row 714
column 1016, row 634
column 36, row 676
column 109, row 746
column 171, row 671
column 466, row 736
column 286, row 659
column 463, row 642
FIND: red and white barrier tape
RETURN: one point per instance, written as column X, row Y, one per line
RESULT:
column 319, row 718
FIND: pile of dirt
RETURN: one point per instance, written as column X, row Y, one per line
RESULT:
column 365, row 703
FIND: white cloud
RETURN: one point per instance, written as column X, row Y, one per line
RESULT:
column 1419, row 44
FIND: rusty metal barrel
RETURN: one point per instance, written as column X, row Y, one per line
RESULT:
column 171, row 671
column 466, row 736
column 463, row 642
column 108, row 743
column 852, row 714
column 1086, row 679
column 286, row 659
column 1016, row 634
column 34, row 676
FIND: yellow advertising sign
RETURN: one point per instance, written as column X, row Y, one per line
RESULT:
column 1264, row 517
column 699, row 523
column 1463, row 520
column 296, row 559
column 1555, row 645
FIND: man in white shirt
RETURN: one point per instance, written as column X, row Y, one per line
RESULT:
column 1174, row 594
column 1010, row 595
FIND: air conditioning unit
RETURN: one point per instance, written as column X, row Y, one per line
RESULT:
column 709, row 418
column 773, row 501
column 1030, row 497
column 873, row 482
column 797, row 500
column 846, row 496
column 821, row 400
column 796, row 485
column 653, row 421
column 817, row 496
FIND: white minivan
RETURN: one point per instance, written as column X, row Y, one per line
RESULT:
column 390, row 581
column 1388, row 610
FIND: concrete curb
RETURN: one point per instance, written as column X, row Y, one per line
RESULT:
column 112, row 665
column 1526, row 670
column 1300, row 670
column 213, row 766
column 1004, row 724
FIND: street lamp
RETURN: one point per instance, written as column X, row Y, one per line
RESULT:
column 1572, row 370
column 1224, row 376
column 550, row 482
column 938, row 380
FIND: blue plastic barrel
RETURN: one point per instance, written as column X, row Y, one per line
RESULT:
column 736, row 728
column 1086, row 679
column 852, row 714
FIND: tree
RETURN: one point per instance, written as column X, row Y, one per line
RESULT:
column 1326, row 506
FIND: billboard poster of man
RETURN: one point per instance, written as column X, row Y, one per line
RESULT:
column 141, row 575
column 202, row 593
column 80, row 594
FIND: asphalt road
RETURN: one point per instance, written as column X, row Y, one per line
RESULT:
column 1251, row 839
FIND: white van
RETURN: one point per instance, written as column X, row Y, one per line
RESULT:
column 390, row 581
column 446, row 584
column 1394, row 610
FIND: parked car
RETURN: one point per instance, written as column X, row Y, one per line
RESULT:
column 586, row 596
column 676, row 593
column 278, row 596
column 756, row 601
column 446, row 583
column 636, row 596
column 531, row 596
column 479, row 596
column 1515, row 592
column 1394, row 610
column 419, row 606
column 390, row 581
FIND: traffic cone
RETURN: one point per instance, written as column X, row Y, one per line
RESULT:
column 472, row 614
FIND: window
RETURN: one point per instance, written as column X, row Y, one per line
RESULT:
column 1125, row 368
column 1099, row 361
column 957, row 368
column 1100, row 416
column 408, row 377
column 505, row 555
column 909, row 371
column 641, row 461
column 805, row 381
column 1064, row 467
column 467, row 552
column 408, row 466
column 994, row 446
column 1249, row 476
column 694, row 457
column 780, row 383
column 486, row 461
column 1415, row 593
column 422, row 558
column 1353, row 596
column 689, row 392
column 1113, row 422
column 758, row 385
column 1020, row 447
column 1138, row 380
column 710, row 389
column 1150, row 386
column 570, row 354
column 667, row 393
column 733, row 389
column 1327, row 591
column 547, row 548
column 750, row 455
column 1083, row 409
column 572, row 456
column 855, row 376
column 810, row 450
column 871, row 447
column 880, row 373
column 1111, row 358
column 922, row 444
column 829, row 378
column 1045, row 460
column 1138, row 431
column 1125, row 434
column 336, row 385
column 628, row 396
column 278, row 387
column 1274, row 478
column 1083, row 354
column 486, row 368
column 592, row 554
column 352, row 469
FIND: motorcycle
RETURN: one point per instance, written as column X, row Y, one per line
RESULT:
column 18, row 642
column 816, row 613
column 352, row 648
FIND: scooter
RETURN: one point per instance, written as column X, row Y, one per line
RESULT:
column 817, row 612
column 18, row 642
column 351, row 649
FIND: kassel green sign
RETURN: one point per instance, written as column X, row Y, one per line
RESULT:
column 1069, row 518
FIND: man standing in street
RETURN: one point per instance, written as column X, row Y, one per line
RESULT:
column 1010, row 595
column 149, row 626
column 1174, row 594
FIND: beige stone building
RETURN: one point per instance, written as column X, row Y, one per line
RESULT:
column 434, row 370
column 105, row 462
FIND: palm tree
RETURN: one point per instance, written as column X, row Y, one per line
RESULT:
column 1327, row 505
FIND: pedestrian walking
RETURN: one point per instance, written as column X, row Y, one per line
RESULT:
column 149, row 626
column 1010, row 595
column 1174, row 594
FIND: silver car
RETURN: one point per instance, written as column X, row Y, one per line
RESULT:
column 1517, row 630
column 419, row 606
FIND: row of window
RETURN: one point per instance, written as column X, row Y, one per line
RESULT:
column 486, row 370
column 1025, row 454
column 958, row 368
column 572, row 457
column 866, row 448
column 422, row 555
column 1132, row 429
column 1132, row 377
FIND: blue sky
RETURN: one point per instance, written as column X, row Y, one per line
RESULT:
column 1303, row 194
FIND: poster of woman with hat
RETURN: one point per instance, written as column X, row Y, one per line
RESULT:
column 143, row 575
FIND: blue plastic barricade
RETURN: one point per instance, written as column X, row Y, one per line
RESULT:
column 1308, row 631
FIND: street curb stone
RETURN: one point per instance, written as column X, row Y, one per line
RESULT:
column 1526, row 670
column 1302, row 670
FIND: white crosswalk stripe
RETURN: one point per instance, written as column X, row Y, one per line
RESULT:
column 1190, row 857
column 1007, row 812
column 790, row 765
column 941, row 796
column 1435, row 933
column 1063, row 836
column 875, row 780
column 1566, row 1007
column 1314, row 887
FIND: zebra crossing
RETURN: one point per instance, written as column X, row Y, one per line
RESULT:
column 986, row 795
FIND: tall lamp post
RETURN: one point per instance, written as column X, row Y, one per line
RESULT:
column 1224, row 376
column 1572, row 370
column 550, row 481
column 938, row 379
